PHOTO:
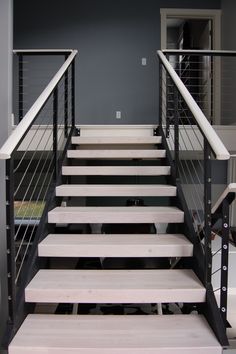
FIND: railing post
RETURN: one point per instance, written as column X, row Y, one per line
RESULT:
column 55, row 131
column 167, row 101
column 224, row 260
column 167, row 106
column 73, row 93
column 207, row 211
column 176, row 132
column 167, row 126
column 66, row 101
column 20, row 88
column 160, row 93
column 10, row 232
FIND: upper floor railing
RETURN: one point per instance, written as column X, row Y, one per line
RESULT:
column 210, row 77
column 194, row 151
column 32, row 70
column 34, row 153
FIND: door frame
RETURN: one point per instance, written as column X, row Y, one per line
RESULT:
column 201, row 14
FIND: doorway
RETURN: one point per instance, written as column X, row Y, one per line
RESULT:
column 189, row 33
column 196, row 30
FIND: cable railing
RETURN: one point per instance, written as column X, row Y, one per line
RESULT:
column 34, row 153
column 210, row 77
column 193, row 147
column 32, row 71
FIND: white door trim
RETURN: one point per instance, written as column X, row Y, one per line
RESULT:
column 215, row 16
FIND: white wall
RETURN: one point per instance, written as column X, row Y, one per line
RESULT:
column 5, row 119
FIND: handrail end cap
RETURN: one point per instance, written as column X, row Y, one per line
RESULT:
column 4, row 156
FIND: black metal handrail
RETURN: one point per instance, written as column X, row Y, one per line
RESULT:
column 34, row 153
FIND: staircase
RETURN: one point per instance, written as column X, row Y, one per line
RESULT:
column 111, row 162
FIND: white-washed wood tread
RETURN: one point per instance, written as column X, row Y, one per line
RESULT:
column 115, row 286
column 115, row 245
column 115, row 214
column 116, row 154
column 115, row 190
column 116, row 140
column 116, row 170
column 114, row 334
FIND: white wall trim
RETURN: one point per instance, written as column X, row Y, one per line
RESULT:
column 214, row 15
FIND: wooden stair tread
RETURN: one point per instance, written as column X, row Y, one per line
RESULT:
column 116, row 170
column 116, row 140
column 115, row 286
column 113, row 190
column 115, row 245
column 116, row 154
column 115, row 334
column 115, row 215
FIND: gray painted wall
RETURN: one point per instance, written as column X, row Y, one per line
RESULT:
column 228, row 64
column 5, row 118
column 228, row 24
column 112, row 37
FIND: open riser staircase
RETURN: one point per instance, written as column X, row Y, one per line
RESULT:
column 104, row 181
